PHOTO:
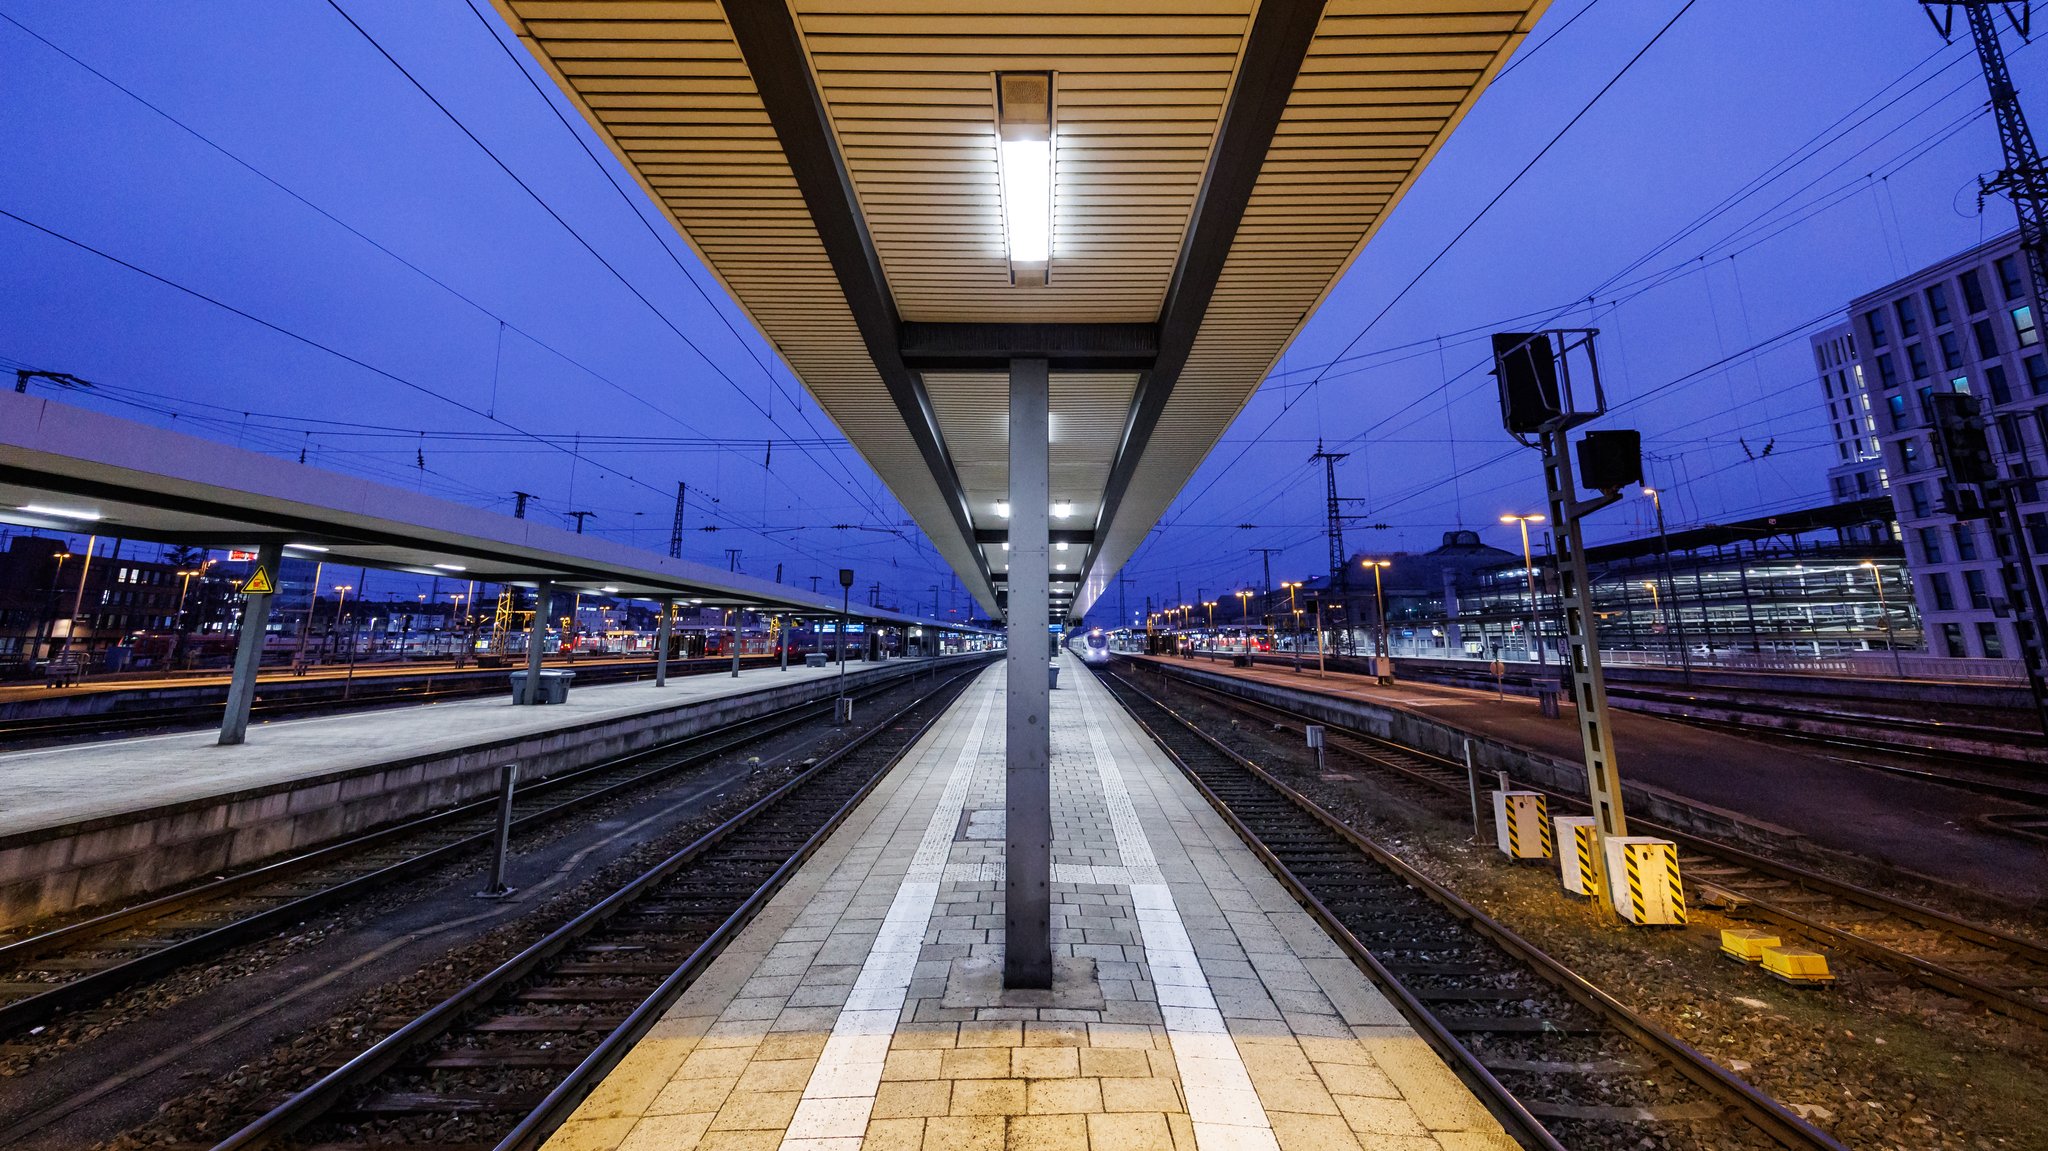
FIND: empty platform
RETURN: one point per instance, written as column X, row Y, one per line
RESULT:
column 1195, row 1006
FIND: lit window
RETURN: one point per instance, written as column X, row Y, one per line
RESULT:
column 2023, row 326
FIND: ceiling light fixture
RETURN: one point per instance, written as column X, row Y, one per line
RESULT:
column 1063, row 509
column 1003, row 508
column 443, row 567
column 1024, row 163
column 60, row 513
column 304, row 548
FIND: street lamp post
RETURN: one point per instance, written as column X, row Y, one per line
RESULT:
column 178, row 640
column 1294, row 648
column 1211, row 605
column 1244, row 620
column 341, row 591
column 1671, row 586
column 48, row 642
column 1884, row 610
column 1529, row 574
column 1383, row 667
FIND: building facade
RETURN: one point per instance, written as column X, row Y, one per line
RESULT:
column 1857, row 470
column 1966, row 324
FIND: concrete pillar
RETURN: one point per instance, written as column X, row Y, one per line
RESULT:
column 234, row 722
column 662, row 631
column 739, row 623
column 1027, row 802
column 536, row 638
column 782, row 638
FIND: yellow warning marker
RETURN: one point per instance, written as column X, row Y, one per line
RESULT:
column 1797, row 965
column 260, row 582
column 1643, row 879
column 1521, row 825
column 1746, row 943
column 1575, row 867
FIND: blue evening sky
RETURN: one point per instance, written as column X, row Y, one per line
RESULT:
column 408, row 303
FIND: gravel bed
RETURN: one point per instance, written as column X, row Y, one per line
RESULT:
column 1875, row 1062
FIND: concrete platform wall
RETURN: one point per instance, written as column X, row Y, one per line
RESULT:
column 104, row 862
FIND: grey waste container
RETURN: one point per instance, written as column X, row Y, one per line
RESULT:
column 1055, row 670
column 814, row 659
column 554, row 686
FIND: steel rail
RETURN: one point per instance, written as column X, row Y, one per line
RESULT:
column 308, row 1105
column 1766, row 1113
column 30, row 1011
column 1940, row 976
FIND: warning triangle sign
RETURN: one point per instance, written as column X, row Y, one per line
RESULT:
column 260, row 582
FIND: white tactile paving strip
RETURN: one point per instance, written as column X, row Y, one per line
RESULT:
column 833, row 1114
column 1210, row 1013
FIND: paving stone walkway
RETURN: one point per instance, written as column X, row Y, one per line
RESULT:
column 1195, row 1006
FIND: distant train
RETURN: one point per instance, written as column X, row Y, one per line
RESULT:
column 1095, row 646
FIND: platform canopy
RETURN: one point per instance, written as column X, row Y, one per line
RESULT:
column 73, row 471
column 905, row 196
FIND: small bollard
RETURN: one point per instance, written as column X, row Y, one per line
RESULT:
column 1315, row 740
column 498, row 889
column 1472, row 778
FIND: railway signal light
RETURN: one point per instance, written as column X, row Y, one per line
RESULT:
column 1525, row 365
column 1958, row 420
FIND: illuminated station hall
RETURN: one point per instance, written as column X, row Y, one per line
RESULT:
column 346, row 803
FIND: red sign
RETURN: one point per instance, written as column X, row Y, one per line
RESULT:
column 239, row 557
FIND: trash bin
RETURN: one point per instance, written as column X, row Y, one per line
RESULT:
column 1240, row 661
column 554, row 686
column 814, row 659
column 1055, row 670
column 518, row 679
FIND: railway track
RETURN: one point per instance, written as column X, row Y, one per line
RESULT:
column 2004, row 972
column 1561, row 1063
column 503, row 1062
column 365, row 693
column 47, row 974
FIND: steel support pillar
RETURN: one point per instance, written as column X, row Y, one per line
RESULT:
column 536, row 639
column 1582, row 655
column 234, row 722
column 782, row 639
column 739, row 622
column 661, row 634
column 1027, row 796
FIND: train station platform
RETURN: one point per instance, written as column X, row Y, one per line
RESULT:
column 1916, row 825
column 46, row 787
column 101, row 822
column 1195, row 1006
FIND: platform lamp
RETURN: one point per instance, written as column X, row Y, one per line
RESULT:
column 1211, row 605
column 1884, row 610
column 842, row 710
column 1529, row 573
column 1244, row 617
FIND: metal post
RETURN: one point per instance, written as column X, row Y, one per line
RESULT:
column 739, row 623
column 1321, row 672
column 1671, row 589
column 508, row 778
column 234, row 721
column 842, row 705
column 1472, row 781
column 782, row 638
column 536, row 638
column 1582, row 639
column 1027, row 898
column 662, row 631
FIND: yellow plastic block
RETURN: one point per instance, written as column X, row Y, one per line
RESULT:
column 1746, row 943
column 1797, row 965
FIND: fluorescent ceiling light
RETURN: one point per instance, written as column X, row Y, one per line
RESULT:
column 1002, row 508
column 1059, row 567
column 60, row 513
column 1027, row 199
column 1063, row 509
column 305, row 548
column 443, row 567
column 610, row 590
column 1062, row 545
